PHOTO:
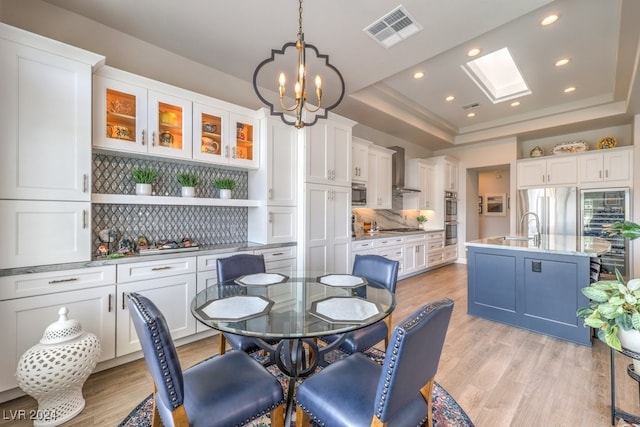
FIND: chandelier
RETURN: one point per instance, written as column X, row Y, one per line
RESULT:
column 303, row 111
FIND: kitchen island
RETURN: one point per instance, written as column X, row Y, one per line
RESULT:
column 537, row 287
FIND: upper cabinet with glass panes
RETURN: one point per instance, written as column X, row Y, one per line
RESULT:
column 138, row 115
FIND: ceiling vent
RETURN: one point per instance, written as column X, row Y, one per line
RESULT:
column 471, row 106
column 394, row 27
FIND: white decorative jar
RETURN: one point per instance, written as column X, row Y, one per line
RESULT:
column 54, row 371
column 143, row 189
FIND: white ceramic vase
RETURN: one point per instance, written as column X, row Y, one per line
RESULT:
column 188, row 191
column 225, row 194
column 631, row 341
column 143, row 189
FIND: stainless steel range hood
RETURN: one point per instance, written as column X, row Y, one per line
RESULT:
column 397, row 172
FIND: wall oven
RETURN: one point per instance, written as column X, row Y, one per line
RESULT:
column 450, row 218
column 358, row 195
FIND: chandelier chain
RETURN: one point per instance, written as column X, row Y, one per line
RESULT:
column 299, row 19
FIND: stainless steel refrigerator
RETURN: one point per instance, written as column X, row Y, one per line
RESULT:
column 599, row 208
column 556, row 207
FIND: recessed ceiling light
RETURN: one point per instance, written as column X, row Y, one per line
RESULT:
column 473, row 52
column 569, row 89
column 418, row 75
column 450, row 98
column 548, row 20
column 515, row 103
column 561, row 62
column 471, row 115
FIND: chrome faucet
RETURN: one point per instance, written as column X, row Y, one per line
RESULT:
column 536, row 236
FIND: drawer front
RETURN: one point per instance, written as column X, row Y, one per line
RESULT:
column 435, row 246
column 155, row 269
column 435, row 235
column 390, row 241
column 25, row 285
column 435, row 259
column 415, row 239
column 363, row 245
column 208, row 262
column 395, row 253
column 277, row 253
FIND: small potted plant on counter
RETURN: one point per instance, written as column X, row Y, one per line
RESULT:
column 225, row 186
column 614, row 306
column 421, row 220
column 188, row 182
column 144, row 178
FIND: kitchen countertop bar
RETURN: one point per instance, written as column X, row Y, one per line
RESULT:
column 382, row 234
column 97, row 262
column 551, row 244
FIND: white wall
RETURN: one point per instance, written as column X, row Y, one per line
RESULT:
column 494, row 181
column 500, row 152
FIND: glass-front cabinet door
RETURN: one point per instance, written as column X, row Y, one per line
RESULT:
column 244, row 148
column 119, row 115
column 210, row 140
column 169, row 125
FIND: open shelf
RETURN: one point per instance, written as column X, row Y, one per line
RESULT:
column 128, row 199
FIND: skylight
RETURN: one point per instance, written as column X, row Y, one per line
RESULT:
column 497, row 75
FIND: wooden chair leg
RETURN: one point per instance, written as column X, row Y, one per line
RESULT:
column 302, row 418
column 222, row 343
column 155, row 417
column 375, row 422
column 277, row 416
column 387, row 320
column 427, row 393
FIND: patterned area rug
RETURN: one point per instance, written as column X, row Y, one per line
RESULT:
column 446, row 411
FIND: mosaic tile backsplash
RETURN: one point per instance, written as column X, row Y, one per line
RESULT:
column 206, row 225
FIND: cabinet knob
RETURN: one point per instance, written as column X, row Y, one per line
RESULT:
column 143, row 137
column 153, row 139
column 85, row 182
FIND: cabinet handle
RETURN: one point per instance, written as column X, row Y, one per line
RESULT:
column 55, row 282
column 271, row 194
column 85, row 182
column 606, row 173
column 123, row 295
column 153, row 139
column 600, row 174
column 143, row 137
column 109, row 305
column 226, row 151
column 270, row 217
column 278, row 254
column 84, row 218
column 548, row 178
column 166, row 267
column 233, row 153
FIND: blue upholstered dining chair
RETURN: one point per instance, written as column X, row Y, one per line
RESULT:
column 356, row 391
column 381, row 270
column 231, row 268
column 221, row 391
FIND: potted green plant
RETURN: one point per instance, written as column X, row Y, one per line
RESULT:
column 188, row 182
column 614, row 306
column 225, row 186
column 421, row 220
column 143, row 179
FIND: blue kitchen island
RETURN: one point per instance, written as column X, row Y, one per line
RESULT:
column 536, row 287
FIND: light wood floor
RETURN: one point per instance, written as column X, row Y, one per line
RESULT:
column 501, row 376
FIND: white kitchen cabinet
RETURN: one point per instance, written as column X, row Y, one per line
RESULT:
column 450, row 174
column 450, row 253
column 435, row 248
column 415, row 254
column 393, row 248
column 605, row 166
column 45, row 119
column 327, row 228
column 172, row 295
column 328, row 153
column 359, row 160
column 24, row 223
column 275, row 185
column 421, row 174
column 30, row 302
column 132, row 118
column 243, row 148
column 556, row 170
column 279, row 260
column 210, row 133
column 379, row 184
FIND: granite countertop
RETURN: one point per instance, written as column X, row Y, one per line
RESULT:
column 550, row 243
column 382, row 234
column 98, row 262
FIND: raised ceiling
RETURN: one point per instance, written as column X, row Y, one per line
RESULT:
column 600, row 37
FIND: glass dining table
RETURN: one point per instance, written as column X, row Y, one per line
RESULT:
column 293, row 311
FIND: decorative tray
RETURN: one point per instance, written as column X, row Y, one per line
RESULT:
column 571, row 147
